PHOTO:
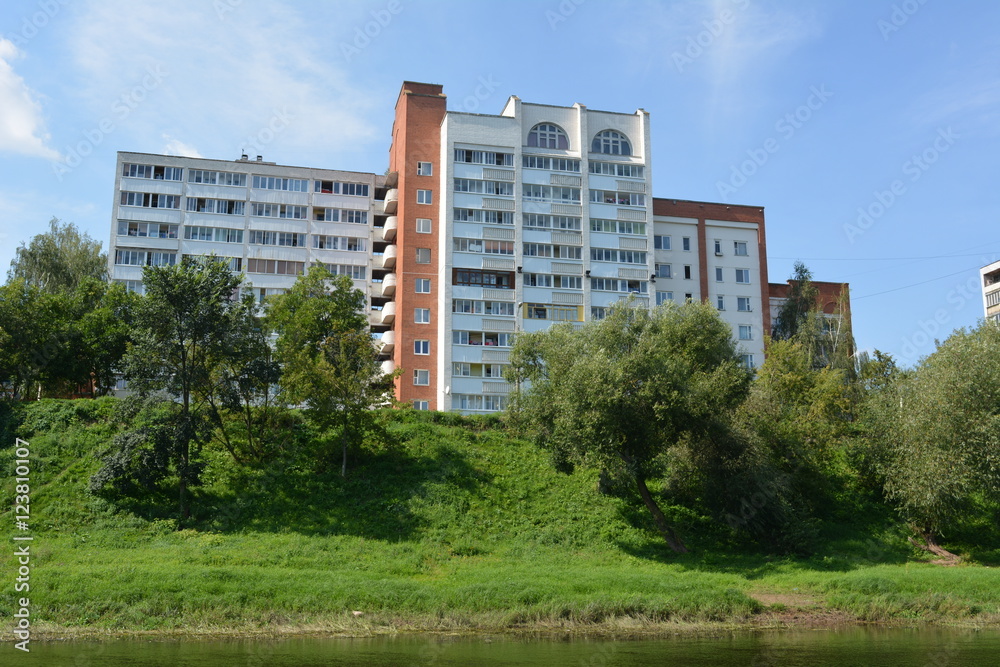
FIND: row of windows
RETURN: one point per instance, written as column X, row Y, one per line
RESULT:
column 287, row 211
column 340, row 215
column 550, row 135
column 217, row 234
column 480, row 246
column 550, row 163
column 155, row 230
column 495, row 188
column 474, row 307
column 484, row 157
column 554, row 281
column 617, row 198
column 260, row 182
column 535, row 192
column 285, row 239
column 617, row 169
column 556, row 251
column 739, row 248
column 223, row 206
column 150, row 200
column 545, row 311
column 619, row 285
column 485, row 403
column 234, row 207
column 484, row 216
column 618, row 227
column 351, row 243
column 619, row 256
column 465, row 370
column 486, row 338
column 494, row 279
column 145, row 258
column 545, row 221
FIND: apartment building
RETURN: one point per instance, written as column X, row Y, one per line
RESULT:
column 989, row 277
column 484, row 226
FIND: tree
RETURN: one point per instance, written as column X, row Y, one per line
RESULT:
column 801, row 300
column 30, row 323
column 329, row 360
column 940, row 426
column 620, row 393
column 187, row 325
column 60, row 259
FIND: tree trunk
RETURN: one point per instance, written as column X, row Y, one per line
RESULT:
column 930, row 544
column 343, row 445
column 668, row 533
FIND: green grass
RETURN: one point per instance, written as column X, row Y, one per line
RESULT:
column 454, row 526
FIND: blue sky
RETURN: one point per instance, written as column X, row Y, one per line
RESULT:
column 868, row 130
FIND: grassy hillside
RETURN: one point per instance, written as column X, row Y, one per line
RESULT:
column 450, row 524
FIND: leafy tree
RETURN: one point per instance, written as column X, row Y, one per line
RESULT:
column 30, row 322
column 941, row 428
column 187, row 326
column 60, row 259
column 801, row 300
column 329, row 360
column 620, row 393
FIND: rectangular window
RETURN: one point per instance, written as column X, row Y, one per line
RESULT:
column 286, row 239
column 423, row 286
column 467, row 306
column 421, row 378
column 718, row 274
column 740, row 248
column 288, row 184
column 533, row 192
column 422, row 315
column 687, row 272
column 493, row 279
column 485, row 216
column 278, row 267
column 542, row 221
column 485, row 157
column 661, row 242
column 423, row 225
column 743, row 304
column 664, row 297
column 616, row 169
column 217, row 178
column 152, row 171
column 618, row 226
column 425, row 197
column 617, row 198
column 421, row 347
column 425, row 169
column 720, row 302
column 278, row 211
column 353, row 271
column 223, row 206
column 150, row 200
column 662, row 271
column 421, row 405
column 423, row 255
column 718, row 248
column 686, row 243
column 747, row 360
column 352, row 243
column 338, row 188
column 746, row 332
column 156, row 230
column 550, row 163
column 743, row 276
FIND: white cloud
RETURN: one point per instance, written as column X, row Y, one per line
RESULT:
column 22, row 129
column 178, row 147
column 252, row 77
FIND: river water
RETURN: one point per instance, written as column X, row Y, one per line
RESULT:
column 868, row 647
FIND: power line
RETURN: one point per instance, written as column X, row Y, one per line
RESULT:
column 922, row 282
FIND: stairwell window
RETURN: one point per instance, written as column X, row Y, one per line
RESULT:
column 425, row 169
column 425, row 197
column 421, row 378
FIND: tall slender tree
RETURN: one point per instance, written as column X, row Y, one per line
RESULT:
column 59, row 259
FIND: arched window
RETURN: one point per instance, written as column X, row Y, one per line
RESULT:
column 547, row 135
column 611, row 143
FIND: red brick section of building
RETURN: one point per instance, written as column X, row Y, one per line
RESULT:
column 416, row 137
column 702, row 211
column 827, row 298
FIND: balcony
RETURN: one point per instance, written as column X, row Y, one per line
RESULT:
column 389, row 284
column 388, row 366
column 389, row 230
column 389, row 257
column 391, row 201
column 388, row 341
column 388, row 313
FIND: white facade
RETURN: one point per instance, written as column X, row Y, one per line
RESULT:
column 989, row 278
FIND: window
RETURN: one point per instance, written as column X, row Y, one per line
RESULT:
column 467, row 306
column 689, row 296
column 495, row 188
column 223, row 206
column 421, row 378
column 551, row 163
column 543, row 221
column 661, row 242
column 423, row 225
column 422, row 315
column 747, row 360
column 617, row 198
column 746, row 332
column 534, row 192
column 611, row 143
column 720, row 302
column 686, row 243
column 662, row 270
column 278, row 267
column 156, row 230
column 421, row 347
column 216, row 178
column 423, row 255
column 278, row 211
column 485, row 157
column 425, row 197
column 145, row 258
column 288, row 239
column 150, row 200
column 352, row 243
column 616, row 169
column 743, row 276
column 718, row 248
column 353, row 271
column 493, row 279
column 740, row 248
column 489, row 217
column 425, row 169
column 618, row 226
column 152, row 171
column 687, row 272
column 218, row 234
column 620, row 256
column 664, row 297
column 743, row 304
column 340, row 215
column 718, row 274
column 547, row 135
column 421, row 405
column 423, row 286
column 289, row 184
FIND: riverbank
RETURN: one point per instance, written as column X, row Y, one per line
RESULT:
column 454, row 528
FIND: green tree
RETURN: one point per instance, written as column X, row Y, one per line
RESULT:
column 329, row 360
column 801, row 300
column 30, row 338
column 940, row 426
column 620, row 393
column 187, row 325
column 59, row 259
